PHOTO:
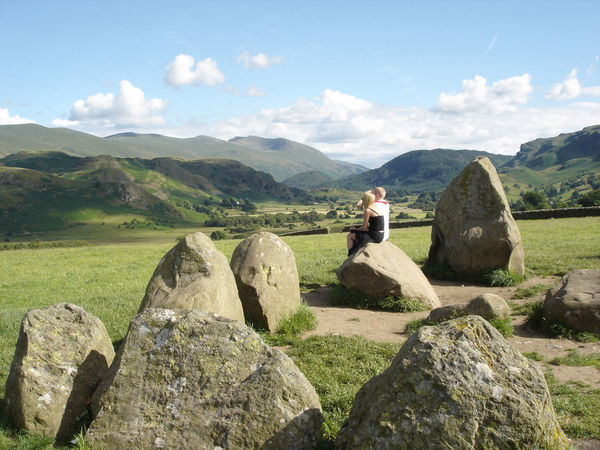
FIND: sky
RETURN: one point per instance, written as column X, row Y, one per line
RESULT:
column 362, row 81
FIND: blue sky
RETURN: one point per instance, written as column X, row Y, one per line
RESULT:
column 362, row 81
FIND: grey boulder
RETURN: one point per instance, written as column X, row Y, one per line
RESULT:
column 194, row 275
column 61, row 355
column 487, row 305
column 459, row 384
column 473, row 229
column 575, row 301
column 267, row 279
column 383, row 270
column 193, row 379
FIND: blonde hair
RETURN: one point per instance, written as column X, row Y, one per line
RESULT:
column 368, row 200
column 380, row 192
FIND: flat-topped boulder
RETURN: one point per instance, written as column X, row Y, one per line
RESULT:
column 473, row 229
column 575, row 301
column 267, row 279
column 61, row 355
column 487, row 305
column 193, row 379
column 459, row 384
column 382, row 270
column 194, row 275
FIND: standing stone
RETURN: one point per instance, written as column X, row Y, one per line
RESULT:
column 192, row 379
column 267, row 279
column 61, row 355
column 473, row 230
column 575, row 301
column 194, row 275
column 459, row 385
column 383, row 270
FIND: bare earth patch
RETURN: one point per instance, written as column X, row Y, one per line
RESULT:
column 389, row 326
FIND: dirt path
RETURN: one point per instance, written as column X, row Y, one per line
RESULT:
column 389, row 327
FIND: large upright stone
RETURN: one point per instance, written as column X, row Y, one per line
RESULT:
column 267, row 279
column 459, row 384
column 473, row 229
column 192, row 379
column 575, row 301
column 61, row 355
column 194, row 275
column 383, row 270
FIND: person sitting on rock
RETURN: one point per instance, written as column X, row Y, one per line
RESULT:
column 372, row 229
column 383, row 208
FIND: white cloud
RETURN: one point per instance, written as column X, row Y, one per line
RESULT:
column 502, row 95
column 259, row 61
column 571, row 88
column 128, row 108
column 255, row 92
column 181, row 72
column 568, row 89
column 7, row 119
column 346, row 127
column 65, row 123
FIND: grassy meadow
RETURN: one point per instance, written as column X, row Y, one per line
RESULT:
column 109, row 279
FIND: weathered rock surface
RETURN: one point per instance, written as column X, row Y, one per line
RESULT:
column 383, row 269
column 267, row 279
column 489, row 306
column 575, row 301
column 194, row 275
column 473, row 230
column 61, row 354
column 193, row 379
column 459, row 384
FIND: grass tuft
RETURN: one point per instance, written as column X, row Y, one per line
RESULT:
column 502, row 277
column 341, row 295
column 504, row 326
column 574, row 358
column 414, row 325
column 531, row 291
column 560, row 330
column 535, row 356
column 291, row 328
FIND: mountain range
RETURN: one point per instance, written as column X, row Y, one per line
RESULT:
column 50, row 175
column 281, row 158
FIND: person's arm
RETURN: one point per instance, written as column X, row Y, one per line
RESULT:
column 365, row 224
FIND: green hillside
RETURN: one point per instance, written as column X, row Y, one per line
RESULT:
column 308, row 180
column 564, row 167
column 418, row 171
column 160, row 190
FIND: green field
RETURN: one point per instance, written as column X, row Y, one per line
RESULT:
column 109, row 280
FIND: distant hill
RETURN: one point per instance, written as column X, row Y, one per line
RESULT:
column 281, row 162
column 154, row 188
column 563, row 166
column 310, row 157
column 308, row 180
column 418, row 170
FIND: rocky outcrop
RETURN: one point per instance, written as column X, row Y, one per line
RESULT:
column 575, row 301
column 473, row 230
column 383, row 270
column 61, row 354
column 192, row 379
column 489, row 306
column 267, row 279
column 459, row 384
column 194, row 275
